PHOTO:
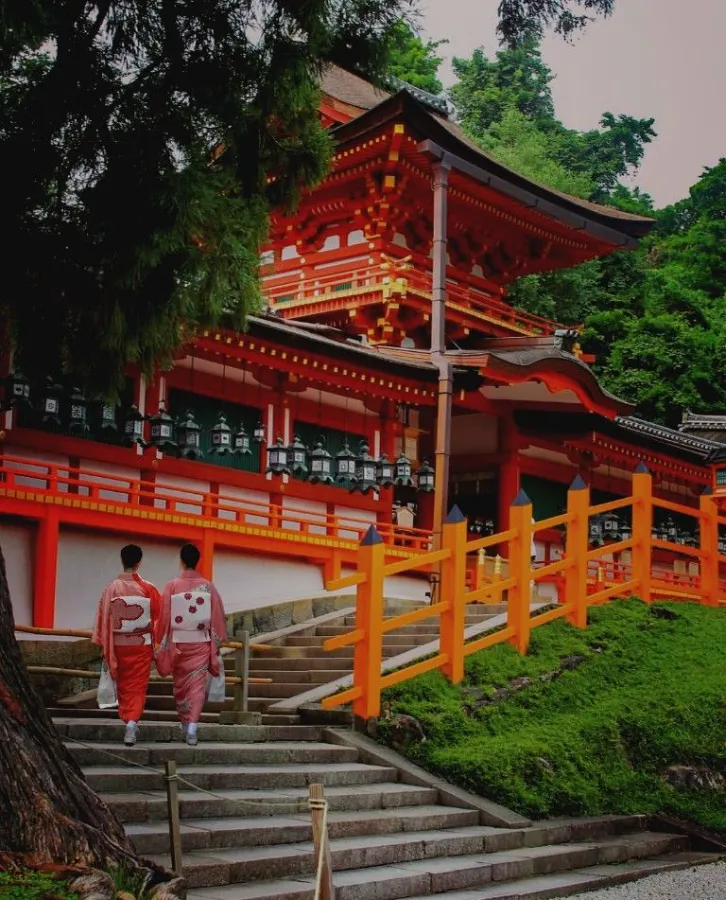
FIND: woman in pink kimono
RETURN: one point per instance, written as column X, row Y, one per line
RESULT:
column 192, row 625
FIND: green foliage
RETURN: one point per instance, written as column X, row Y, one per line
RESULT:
column 648, row 694
column 33, row 886
column 414, row 61
column 521, row 20
column 119, row 227
column 506, row 105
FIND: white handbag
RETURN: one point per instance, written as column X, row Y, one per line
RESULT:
column 216, row 686
column 107, row 695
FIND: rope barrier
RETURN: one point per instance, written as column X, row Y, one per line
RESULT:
column 299, row 804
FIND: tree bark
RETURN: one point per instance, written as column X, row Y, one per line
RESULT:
column 47, row 811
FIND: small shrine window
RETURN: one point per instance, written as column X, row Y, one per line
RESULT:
column 289, row 252
column 356, row 237
column 333, row 439
column 332, row 242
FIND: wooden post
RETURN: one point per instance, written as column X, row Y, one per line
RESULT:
column 520, row 594
column 172, row 806
column 642, row 528
column 240, row 715
column 708, row 522
column 46, row 569
column 323, row 858
column 206, row 563
column 369, row 620
column 577, row 542
column 452, row 591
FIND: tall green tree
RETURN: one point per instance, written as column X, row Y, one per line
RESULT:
column 413, row 60
column 118, row 224
column 137, row 138
column 521, row 20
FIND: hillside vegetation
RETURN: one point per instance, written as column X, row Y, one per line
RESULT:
column 589, row 722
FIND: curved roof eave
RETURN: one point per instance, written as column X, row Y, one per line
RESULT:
column 442, row 138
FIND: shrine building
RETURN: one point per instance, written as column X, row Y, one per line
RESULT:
column 387, row 379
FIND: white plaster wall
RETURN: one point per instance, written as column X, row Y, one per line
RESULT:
column 117, row 476
column 17, row 543
column 50, row 459
column 307, row 509
column 181, row 489
column 252, row 504
column 86, row 563
column 475, row 433
column 247, row 582
column 399, row 587
column 355, row 519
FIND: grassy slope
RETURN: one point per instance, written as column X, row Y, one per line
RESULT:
column 651, row 693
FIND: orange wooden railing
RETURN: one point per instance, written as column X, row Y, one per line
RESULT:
column 585, row 577
column 25, row 479
column 329, row 289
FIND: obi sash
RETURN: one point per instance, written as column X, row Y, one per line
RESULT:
column 131, row 620
column 191, row 616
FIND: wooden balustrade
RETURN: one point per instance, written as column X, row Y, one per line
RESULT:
column 585, row 576
column 23, row 479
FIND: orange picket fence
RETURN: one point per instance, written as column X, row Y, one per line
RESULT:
column 586, row 576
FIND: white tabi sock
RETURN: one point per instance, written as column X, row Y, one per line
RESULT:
column 192, row 728
column 131, row 724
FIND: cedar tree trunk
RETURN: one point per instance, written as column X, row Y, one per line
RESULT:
column 47, row 811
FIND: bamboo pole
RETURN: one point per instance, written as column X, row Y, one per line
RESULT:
column 172, row 806
column 323, row 858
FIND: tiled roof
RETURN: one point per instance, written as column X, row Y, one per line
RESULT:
column 697, row 445
column 447, row 134
column 351, row 89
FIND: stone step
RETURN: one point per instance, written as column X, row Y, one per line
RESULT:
column 300, row 677
column 239, row 777
column 427, row 876
column 430, row 629
column 212, row 753
column 112, row 730
column 562, row 884
column 281, row 689
column 293, row 828
column 366, row 851
column 322, row 662
column 150, row 715
column 389, row 640
column 151, row 805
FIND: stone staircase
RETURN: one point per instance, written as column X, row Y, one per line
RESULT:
column 296, row 663
column 396, row 831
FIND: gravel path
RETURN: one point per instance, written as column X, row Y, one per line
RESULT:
column 701, row 883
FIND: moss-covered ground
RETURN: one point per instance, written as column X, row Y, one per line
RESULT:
column 33, row 886
column 647, row 691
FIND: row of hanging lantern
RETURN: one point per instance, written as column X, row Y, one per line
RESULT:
column 183, row 437
column 361, row 471
column 610, row 528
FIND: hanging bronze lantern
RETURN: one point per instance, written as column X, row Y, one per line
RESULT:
column 345, row 465
column 162, row 431
column 277, row 458
column 77, row 412
column 297, row 455
column 258, row 435
column 221, row 435
column 385, row 475
column 241, row 441
column 365, row 471
column 425, row 478
column 134, row 426
column 108, row 425
column 189, row 438
column 321, row 465
column 50, row 403
column 403, row 472
column 17, row 390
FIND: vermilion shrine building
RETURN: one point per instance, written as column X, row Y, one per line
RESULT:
column 387, row 323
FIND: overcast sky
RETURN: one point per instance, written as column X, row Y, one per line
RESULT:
column 663, row 59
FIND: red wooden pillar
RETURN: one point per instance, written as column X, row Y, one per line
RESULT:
column 46, row 569
column 509, row 475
